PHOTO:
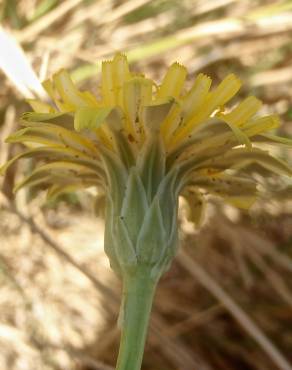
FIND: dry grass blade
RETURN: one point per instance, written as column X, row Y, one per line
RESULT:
column 236, row 311
column 33, row 30
column 124, row 9
column 275, row 279
column 174, row 348
column 193, row 321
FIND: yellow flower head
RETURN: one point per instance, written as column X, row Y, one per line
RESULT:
column 143, row 144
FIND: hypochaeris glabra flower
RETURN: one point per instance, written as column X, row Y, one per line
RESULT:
column 143, row 145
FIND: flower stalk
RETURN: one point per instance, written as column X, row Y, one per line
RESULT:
column 138, row 292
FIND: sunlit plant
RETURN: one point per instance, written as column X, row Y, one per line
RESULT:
column 143, row 145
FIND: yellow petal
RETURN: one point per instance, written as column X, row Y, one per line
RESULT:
column 196, row 96
column 62, row 119
column 68, row 91
column 195, row 206
column 240, row 135
column 107, row 86
column 53, row 153
column 137, row 93
column 241, row 158
column 46, row 173
column 121, row 73
column 67, row 165
column 224, row 92
column 243, row 112
column 171, row 122
column 261, row 125
column 50, row 89
column 40, row 107
column 190, row 104
column 90, row 118
column 50, row 134
column 244, row 202
column 48, row 86
column 114, row 74
column 173, row 81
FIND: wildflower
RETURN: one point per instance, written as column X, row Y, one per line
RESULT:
column 143, row 145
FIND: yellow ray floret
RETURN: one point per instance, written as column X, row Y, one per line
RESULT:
column 137, row 93
column 175, row 114
column 160, row 131
column 173, row 81
column 213, row 100
column 243, row 112
column 114, row 74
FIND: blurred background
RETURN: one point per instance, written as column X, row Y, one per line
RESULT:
column 226, row 303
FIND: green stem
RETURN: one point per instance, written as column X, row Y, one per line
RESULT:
column 138, row 293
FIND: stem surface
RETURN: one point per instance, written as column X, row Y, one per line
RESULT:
column 138, row 293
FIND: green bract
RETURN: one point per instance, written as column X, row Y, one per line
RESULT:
column 141, row 217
